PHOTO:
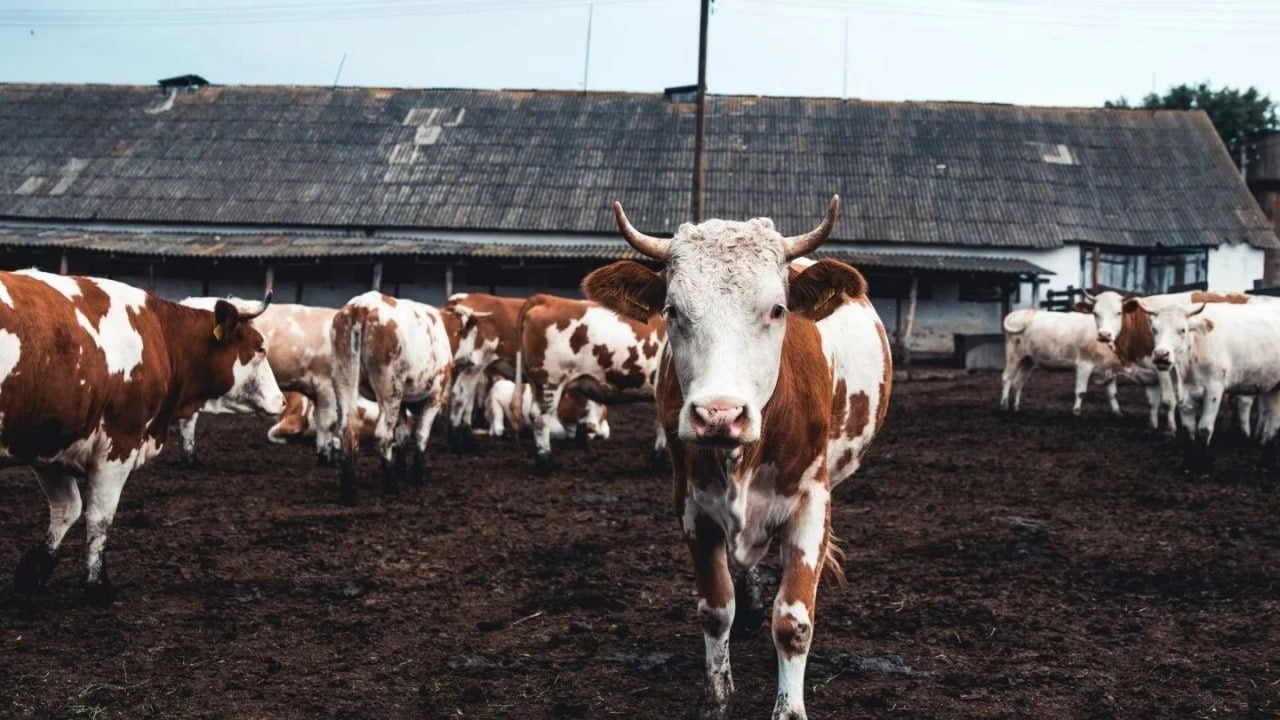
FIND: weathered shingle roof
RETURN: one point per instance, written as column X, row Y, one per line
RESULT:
column 546, row 161
column 293, row 246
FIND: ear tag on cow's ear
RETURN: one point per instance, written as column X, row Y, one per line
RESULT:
column 637, row 303
column 217, row 333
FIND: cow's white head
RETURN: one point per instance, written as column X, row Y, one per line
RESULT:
column 1172, row 326
column 725, row 295
column 597, row 420
column 1108, row 312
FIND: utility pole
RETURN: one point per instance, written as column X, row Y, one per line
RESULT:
column 700, row 139
column 586, row 63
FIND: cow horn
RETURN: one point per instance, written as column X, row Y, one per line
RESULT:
column 1198, row 310
column 266, row 300
column 647, row 245
column 1089, row 296
column 804, row 244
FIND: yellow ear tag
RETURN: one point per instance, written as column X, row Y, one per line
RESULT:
column 217, row 333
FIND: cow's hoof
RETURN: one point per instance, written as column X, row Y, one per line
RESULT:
column 101, row 593
column 323, row 460
column 34, row 570
column 543, row 464
column 659, row 461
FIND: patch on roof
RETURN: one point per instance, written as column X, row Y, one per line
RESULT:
column 1054, row 153
column 430, row 122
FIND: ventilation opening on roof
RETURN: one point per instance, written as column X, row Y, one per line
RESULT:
column 681, row 93
column 183, row 82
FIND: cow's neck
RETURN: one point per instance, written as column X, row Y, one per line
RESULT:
column 186, row 333
column 1135, row 341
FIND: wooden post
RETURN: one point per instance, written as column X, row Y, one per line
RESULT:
column 62, row 263
column 1097, row 264
column 151, row 276
column 448, row 281
column 1006, row 299
column 269, row 283
column 377, row 275
column 911, row 321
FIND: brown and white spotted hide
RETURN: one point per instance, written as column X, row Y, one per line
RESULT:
column 773, row 383
column 297, row 424
column 563, row 340
column 297, row 338
column 396, row 352
column 572, row 411
column 92, row 374
column 486, row 334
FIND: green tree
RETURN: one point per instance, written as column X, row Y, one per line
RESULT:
column 1237, row 115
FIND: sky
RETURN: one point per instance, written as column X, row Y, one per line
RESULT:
column 1031, row 52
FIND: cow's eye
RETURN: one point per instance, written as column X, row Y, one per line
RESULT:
column 777, row 312
column 671, row 314
column 262, row 349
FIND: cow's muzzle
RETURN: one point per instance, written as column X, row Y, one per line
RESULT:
column 718, row 422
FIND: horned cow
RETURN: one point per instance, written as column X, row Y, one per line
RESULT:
column 765, row 410
column 127, row 364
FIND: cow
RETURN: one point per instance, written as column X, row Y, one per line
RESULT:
column 297, row 338
column 613, row 356
column 486, row 334
column 573, row 412
column 296, row 422
column 92, row 373
column 1058, row 341
column 1125, row 326
column 773, row 385
column 398, row 352
column 1218, row 348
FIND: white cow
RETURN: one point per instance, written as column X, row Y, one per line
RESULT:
column 1058, row 341
column 1218, row 348
column 564, row 424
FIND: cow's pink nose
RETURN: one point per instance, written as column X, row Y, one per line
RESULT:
column 1160, row 354
column 1104, row 336
column 718, row 420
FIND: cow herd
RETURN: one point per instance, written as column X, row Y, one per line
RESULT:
column 1189, row 350
column 770, row 374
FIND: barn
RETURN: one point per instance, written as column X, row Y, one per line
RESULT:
column 956, row 212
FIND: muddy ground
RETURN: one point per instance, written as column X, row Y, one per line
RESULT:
column 1037, row 567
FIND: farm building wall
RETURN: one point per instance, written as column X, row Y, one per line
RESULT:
column 1234, row 268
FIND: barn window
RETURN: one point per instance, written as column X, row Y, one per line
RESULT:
column 1144, row 272
column 981, row 288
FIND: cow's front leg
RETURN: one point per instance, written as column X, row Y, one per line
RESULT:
column 1154, row 401
column 804, row 551
column 106, row 481
column 325, row 420
column 1111, row 398
column 187, row 430
column 64, row 509
column 715, row 608
column 1083, row 371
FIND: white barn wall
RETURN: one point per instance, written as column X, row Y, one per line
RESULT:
column 1233, row 268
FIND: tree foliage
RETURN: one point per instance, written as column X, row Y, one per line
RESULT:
column 1237, row 115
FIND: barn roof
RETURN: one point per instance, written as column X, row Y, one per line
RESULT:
column 294, row 246
column 928, row 173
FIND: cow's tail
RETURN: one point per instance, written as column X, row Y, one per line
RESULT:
column 517, row 397
column 1017, row 321
column 347, row 336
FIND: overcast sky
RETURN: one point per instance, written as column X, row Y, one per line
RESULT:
column 1036, row 52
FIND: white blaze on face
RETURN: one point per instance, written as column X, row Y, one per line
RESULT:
column 1108, row 314
column 1170, row 326
column 724, row 282
column 253, row 389
column 115, row 335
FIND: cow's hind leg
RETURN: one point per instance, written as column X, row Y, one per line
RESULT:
column 1110, row 389
column 424, row 416
column 1268, row 425
column 1083, row 371
column 749, row 597
column 390, row 437
column 548, row 395
column 716, row 608
column 64, row 509
column 106, row 481
column 187, row 430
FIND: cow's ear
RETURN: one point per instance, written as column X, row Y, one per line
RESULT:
column 819, row 289
column 1130, row 305
column 627, row 288
column 1084, row 307
column 225, row 319
column 1200, row 324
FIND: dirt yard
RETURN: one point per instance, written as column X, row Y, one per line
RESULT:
column 1038, row 567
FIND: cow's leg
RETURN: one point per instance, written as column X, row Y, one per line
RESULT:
column 423, row 417
column 326, row 423
column 64, row 509
column 1154, row 401
column 1110, row 389
column 546, row 411
column 496, row 414
column 1268, row 425
column 804, row 551
column 106, row 481
column 658, row 459
column 462, row 401
column 1209, row 415
column 187, row 430
column 389, row 442
column 716, row 607
column 1243, row 405
column 1083, row 371
column 1021, row 375
column 1171, row 393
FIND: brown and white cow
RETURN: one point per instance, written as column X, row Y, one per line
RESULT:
column 1125, row 325
column 573, row 412
column 765, row 409
column 486, row 334
column 92, row 373
column 297, row 338
column 297, row 421
column 396, row 352
column 562, row 341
